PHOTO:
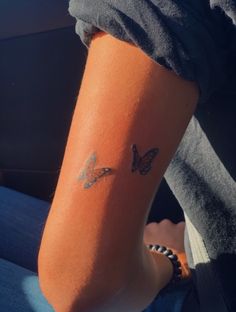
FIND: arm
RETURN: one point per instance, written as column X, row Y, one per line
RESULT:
column 92, row 256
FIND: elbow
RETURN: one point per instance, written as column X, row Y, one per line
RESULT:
column 64, row 299
column 73, row 300
column 48, row 283
column 65, row 292
column 61, row 291
column 53, row 284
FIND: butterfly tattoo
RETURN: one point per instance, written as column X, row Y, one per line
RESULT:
column 143, row 164
column 92, row 175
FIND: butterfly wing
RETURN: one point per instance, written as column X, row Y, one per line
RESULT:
column 145, row 163
column 90, row 164
column 95, row 175
column 136, row 158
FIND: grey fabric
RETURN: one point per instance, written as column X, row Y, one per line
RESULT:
column 203, row 182
column 209, row 291
column 207, row 193
column 228, row 6
column 187, row 36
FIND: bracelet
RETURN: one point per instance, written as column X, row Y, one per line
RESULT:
column 177, row 270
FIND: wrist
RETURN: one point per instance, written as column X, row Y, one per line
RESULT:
column 178, row 260
column 160, row 266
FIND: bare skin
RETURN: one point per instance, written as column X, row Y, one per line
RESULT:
column 92, row 256
column 170, row 235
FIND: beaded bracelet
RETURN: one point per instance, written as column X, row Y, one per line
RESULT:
column 177, row 270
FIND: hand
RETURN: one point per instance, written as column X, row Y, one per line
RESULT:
column 165, row 233
column 170, row 235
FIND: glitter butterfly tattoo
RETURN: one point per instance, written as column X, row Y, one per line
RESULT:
column 92, row 175
column 143, row 164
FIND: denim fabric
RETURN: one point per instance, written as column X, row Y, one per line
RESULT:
column 19, row 290
column 172, row 300
column 22, row 219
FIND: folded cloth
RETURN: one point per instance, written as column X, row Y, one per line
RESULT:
column 187, row 36
column 209, row 289
column 207, row 193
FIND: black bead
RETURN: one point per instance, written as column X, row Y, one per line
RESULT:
column 162, row 249
column 168, row 252
column 173, row 257
column 177, row 270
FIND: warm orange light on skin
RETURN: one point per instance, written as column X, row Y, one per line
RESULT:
column 92, row 247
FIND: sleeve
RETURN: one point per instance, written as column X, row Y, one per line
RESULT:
column 185, row 36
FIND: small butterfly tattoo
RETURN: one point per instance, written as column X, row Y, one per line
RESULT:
column 92, row 175
column 143, row 164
